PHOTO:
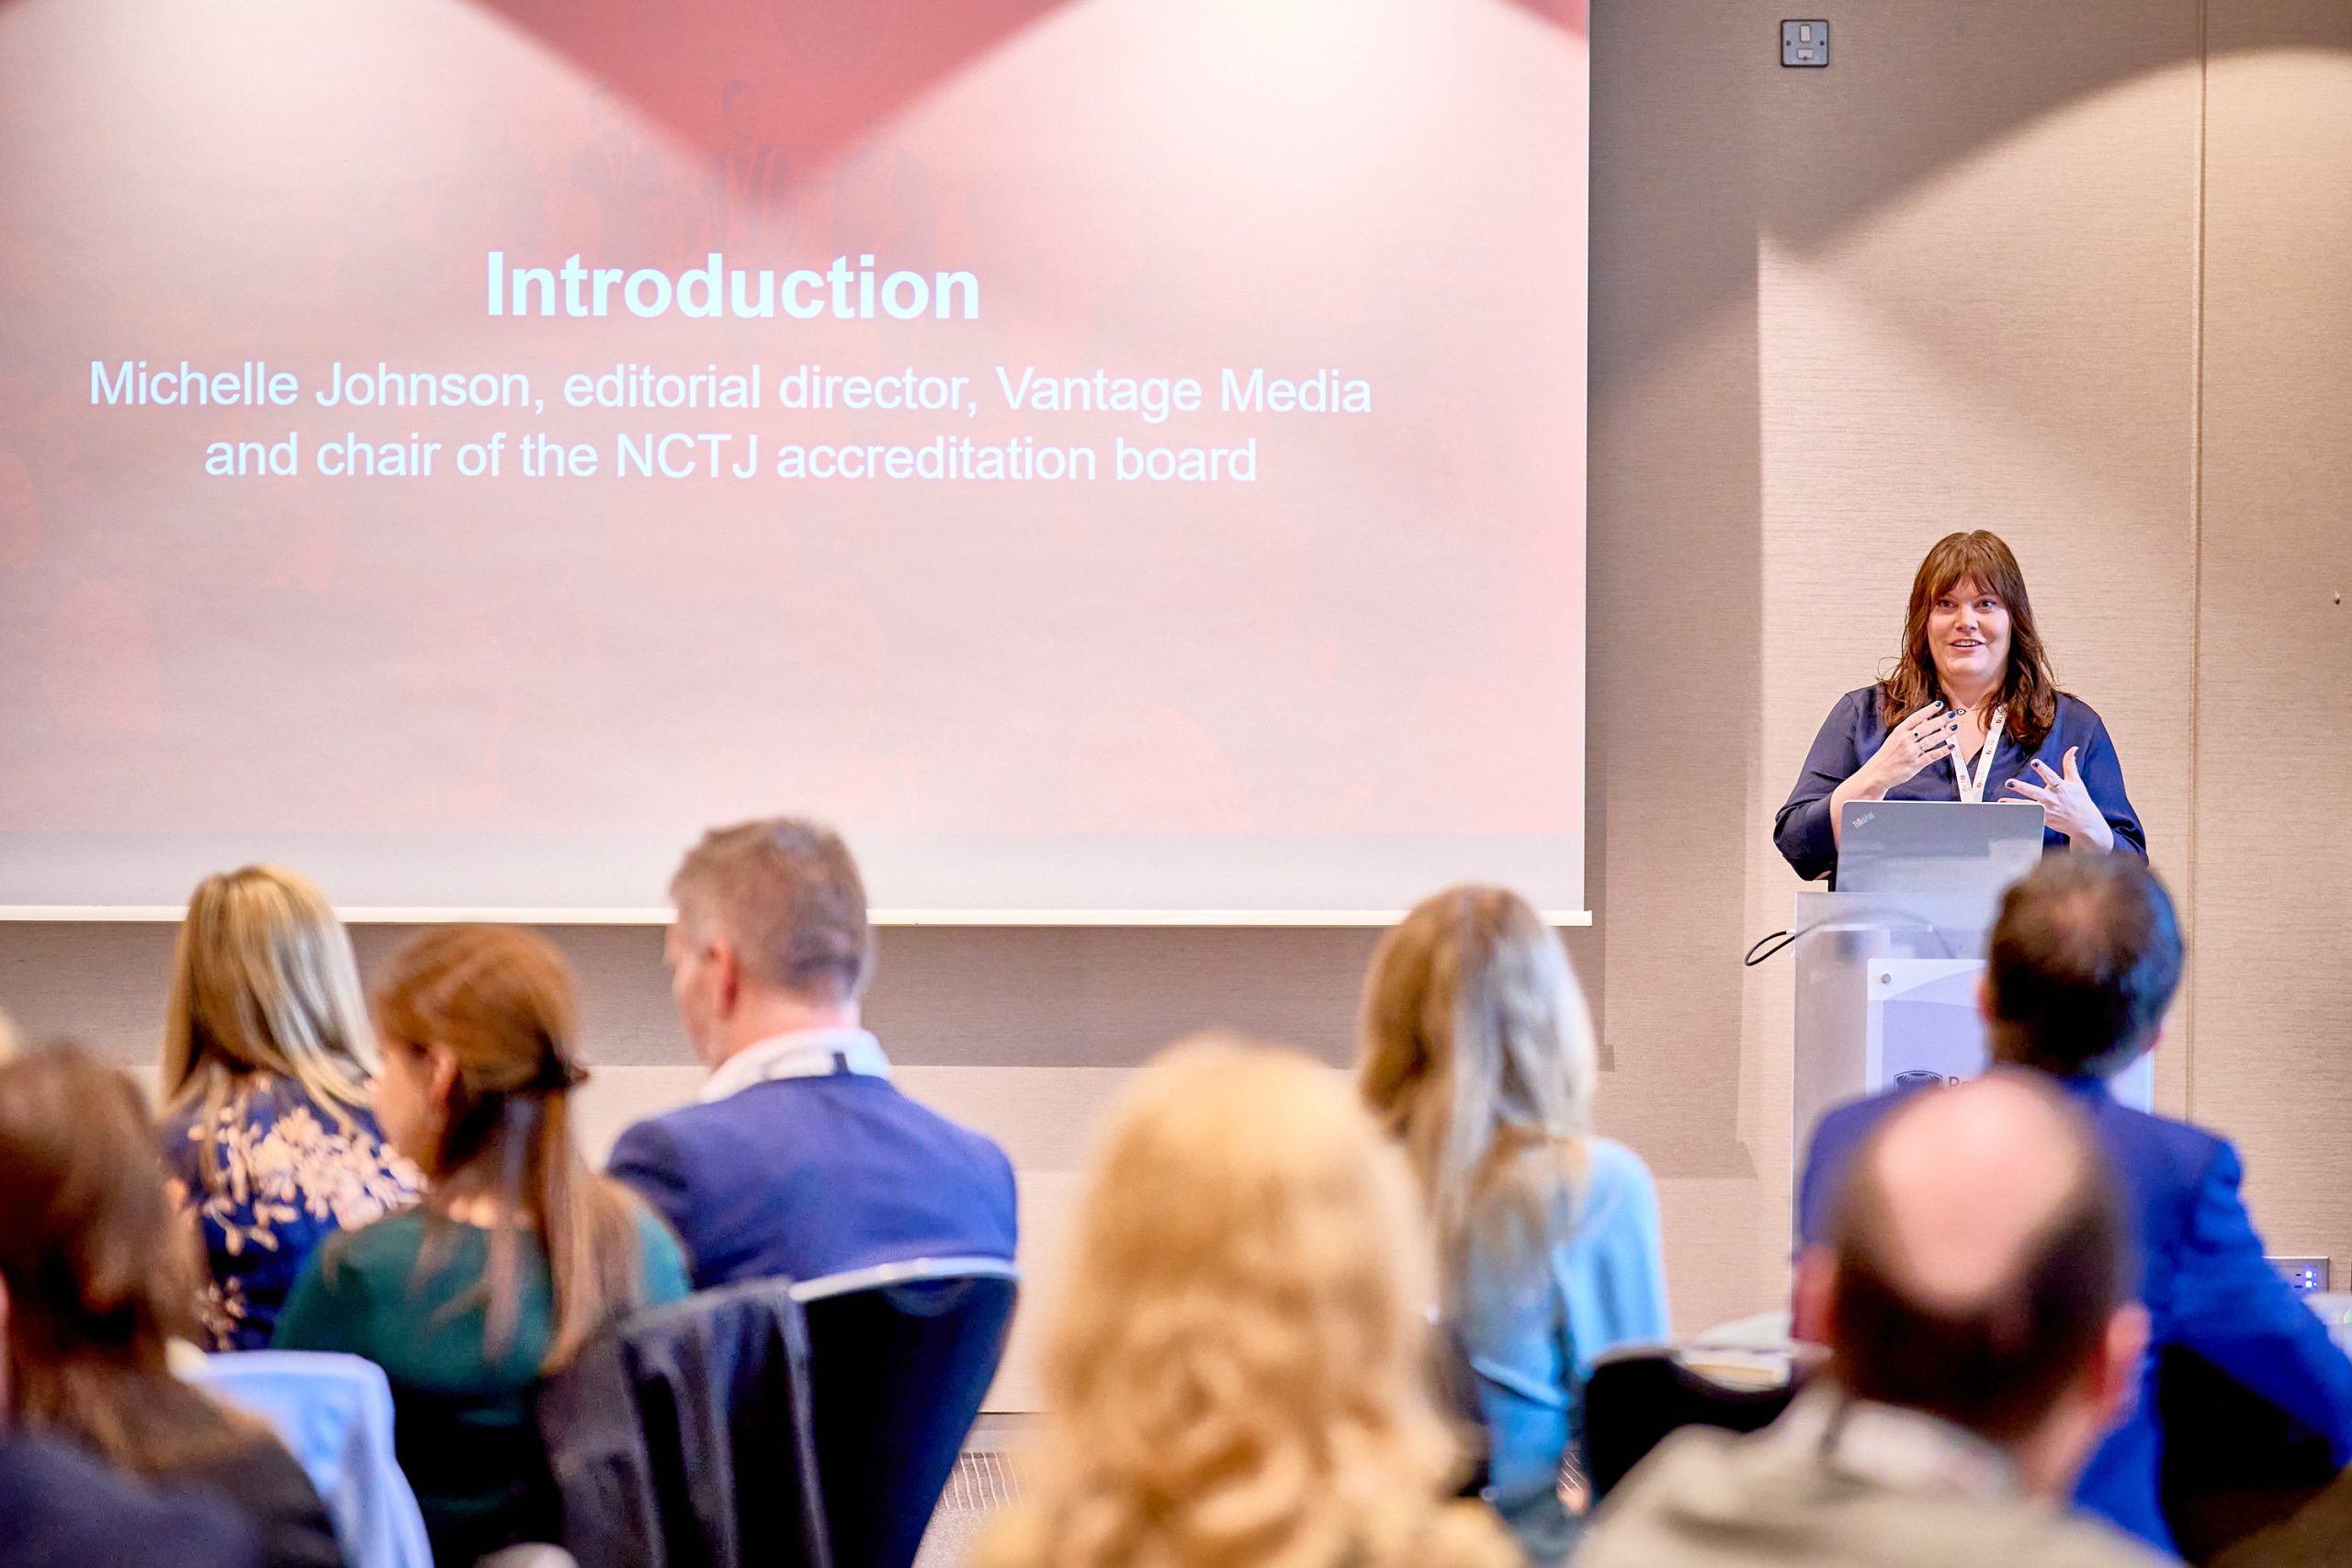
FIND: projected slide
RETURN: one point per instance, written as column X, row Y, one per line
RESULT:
column 1111, row 455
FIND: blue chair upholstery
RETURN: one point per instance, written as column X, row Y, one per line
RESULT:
column 333, row 1413
column 899, row 1359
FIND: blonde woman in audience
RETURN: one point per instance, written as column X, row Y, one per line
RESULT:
column 267, row 1070
column 1235, row 1379
column 518, row 1256
column 97, row 1282
column 1477, row 1056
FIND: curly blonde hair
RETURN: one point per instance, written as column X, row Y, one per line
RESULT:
column 1238, row 1371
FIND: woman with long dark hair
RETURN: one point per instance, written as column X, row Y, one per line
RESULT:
column 518, row 1253
column 1969, row 712
column 97, row 1284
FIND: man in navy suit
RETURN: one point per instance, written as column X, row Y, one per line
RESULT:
column 799, row 1158
column 2085, row 959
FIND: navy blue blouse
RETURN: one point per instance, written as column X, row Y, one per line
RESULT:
column 1853, row 732
column 286, row 1173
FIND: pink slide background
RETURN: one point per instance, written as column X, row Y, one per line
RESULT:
column 1332, row 687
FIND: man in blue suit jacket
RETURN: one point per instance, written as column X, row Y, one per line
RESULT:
column 799, row 1159
column 2084, row 961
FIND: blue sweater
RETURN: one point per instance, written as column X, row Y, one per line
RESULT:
column 65, row 1510
column 1534, row 1323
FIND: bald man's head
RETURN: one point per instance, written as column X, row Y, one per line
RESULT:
column 1979, row 1255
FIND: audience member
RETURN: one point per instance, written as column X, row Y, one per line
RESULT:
column 2083, row 959
column 1237, row 1374
column 517, row 1256
column 1972, row 1293
column 64, row 1510
column 97, row 1286
column 799, row 1159
column 1477, row 1056
column 267, row 1062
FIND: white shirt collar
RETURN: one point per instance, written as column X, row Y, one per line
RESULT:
column 797, row 1054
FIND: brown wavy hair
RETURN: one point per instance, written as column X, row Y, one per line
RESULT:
column 500, row 999
column 99, row 1275
column 2028, row 689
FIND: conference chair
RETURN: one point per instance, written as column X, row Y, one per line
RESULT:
column 684, row 1438
column 2314, row 1536
column 901, row 1357
column 1639, row 1393
column 333, row 1413
column 2235, row 1464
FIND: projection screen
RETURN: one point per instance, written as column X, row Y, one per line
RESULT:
column 1116, row 459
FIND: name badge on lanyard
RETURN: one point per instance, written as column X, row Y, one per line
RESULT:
column 1972, row 789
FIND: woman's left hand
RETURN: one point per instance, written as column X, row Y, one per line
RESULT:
column 2067, row 803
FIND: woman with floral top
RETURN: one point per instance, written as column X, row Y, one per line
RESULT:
column 268, row 1063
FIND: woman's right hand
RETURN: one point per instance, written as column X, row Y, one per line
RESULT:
column 1918, row 741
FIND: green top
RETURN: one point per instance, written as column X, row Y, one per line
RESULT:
column 407, row 1294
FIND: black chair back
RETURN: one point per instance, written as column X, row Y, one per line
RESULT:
column 1456, row 1382
column 900, row 1359
column 685, row 1439
column 2235, row 1464
column 1638, row 1394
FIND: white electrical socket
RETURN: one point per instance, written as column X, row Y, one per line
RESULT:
column 1804, row 43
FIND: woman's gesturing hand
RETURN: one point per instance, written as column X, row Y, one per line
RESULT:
column 1917, row 740
column 2067, row 803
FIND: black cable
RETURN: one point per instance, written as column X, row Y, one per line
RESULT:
column 1780, row 941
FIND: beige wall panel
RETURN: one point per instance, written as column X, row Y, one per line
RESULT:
column 1673, row 557
column 1006, row 996
column 2274, row 866
column 2005, row 342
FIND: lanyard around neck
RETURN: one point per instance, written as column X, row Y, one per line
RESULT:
column 1972, row 789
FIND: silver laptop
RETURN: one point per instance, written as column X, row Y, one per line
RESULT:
column 1966, row 849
